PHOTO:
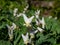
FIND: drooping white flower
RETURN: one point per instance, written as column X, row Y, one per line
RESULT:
column 27, row 20
column 10, row 30
column 15, row 11
column 42, row 22
column 20, row 14
column 55, row 18
column 32, row 33
column 25, row 38
column 25, row 9
column 37, row 13
column 13, row 26
column 40, row 29
column 50, row 17
column 37, row 21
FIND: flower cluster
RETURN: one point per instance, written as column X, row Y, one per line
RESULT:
column 40, row 23
column 28, row 24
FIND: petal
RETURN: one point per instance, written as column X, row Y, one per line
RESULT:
column 43, row 22
column 37, row 16
column 8, row 26
column 39, row 29
column 30, row 19
column 25, row 18
column 35, row 31
column 37, row 22
column 13, row 26
column 37, row 13
column 23, row 37
column 50, row 17
column 20, row 14
column 27, row 35
column 43, row 25
column 15, row 11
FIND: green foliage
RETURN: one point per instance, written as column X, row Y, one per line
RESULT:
column 51, row 34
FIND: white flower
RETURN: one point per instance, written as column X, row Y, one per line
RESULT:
column 25, row 38
column 25, row 9
column 55, row 18
column 37, row 13
column 20, row 14
column 42, row 22
column 13, row 26
column 10, row 30
column 15, row 11
column 27, row 20
column 37, row 21
column 41, row 30
column 50, row 17
column 32, row 33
